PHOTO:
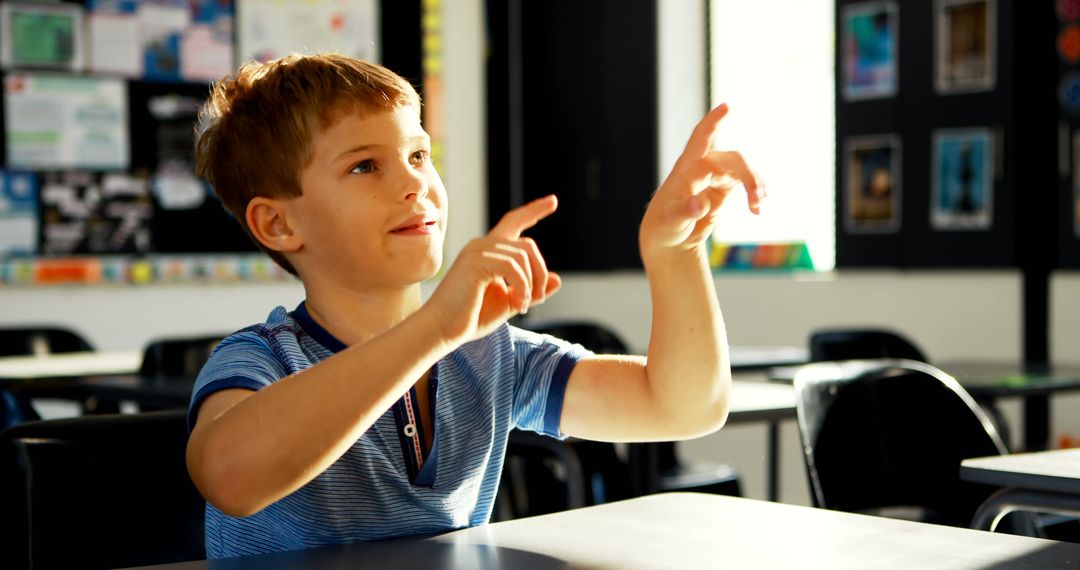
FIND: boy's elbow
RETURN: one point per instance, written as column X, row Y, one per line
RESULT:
column 221, row 484
column 709, row 415
column 710, row 418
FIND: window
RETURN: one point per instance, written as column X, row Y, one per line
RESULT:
column 773, row 63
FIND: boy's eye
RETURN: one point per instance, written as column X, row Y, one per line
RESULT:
column 363, row 167
column 420, row 157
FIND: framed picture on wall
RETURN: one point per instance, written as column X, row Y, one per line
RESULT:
column 869, row 36
column 872, row 184
column 962, row 189
column 965, row 45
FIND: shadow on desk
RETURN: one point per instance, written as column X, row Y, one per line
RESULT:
column 389, row 554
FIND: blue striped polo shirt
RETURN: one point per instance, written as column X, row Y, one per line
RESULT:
column 383, row 487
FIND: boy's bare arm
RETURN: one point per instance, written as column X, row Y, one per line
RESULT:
column 249, row 449
column 682, row 389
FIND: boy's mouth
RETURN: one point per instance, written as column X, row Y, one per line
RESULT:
column 415, row 226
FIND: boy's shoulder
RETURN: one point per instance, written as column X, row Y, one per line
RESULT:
column 279, row 323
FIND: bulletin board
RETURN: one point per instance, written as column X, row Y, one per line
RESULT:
column 100, row 98
column 953, row 134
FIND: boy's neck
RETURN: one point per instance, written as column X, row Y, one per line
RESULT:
column 354, row 318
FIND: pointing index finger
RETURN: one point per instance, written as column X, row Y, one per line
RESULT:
column 700, row 142
column 516, row 221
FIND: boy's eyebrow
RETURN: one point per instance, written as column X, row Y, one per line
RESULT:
column 411, row 140
column 353, row 150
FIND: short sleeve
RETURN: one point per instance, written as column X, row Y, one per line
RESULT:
column 543, row 365
column 243, row 360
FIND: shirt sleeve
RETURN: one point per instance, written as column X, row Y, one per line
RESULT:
column 242, row 360
column 543, row 365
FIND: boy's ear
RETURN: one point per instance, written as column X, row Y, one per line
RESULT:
column 268, row 221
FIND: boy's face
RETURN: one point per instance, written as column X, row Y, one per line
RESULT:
column 373, row 209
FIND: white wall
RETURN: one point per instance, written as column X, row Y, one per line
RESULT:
column 953, row 315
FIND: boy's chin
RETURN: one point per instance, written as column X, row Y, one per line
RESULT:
column 429, row 270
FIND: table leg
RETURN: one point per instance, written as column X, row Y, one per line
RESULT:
column 644, row 468
column 1036, row 422
column 773, row 461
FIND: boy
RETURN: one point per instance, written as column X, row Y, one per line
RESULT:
column 366, row 413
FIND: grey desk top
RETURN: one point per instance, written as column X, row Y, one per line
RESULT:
column 684, row 530
column 744, row 358
column 1056, row 471
column 760, row 401
column 987, row 379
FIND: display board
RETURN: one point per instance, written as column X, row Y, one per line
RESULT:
column 945, row 111
column 100, row 98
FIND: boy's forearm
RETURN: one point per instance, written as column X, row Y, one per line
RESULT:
column 276, row 440
column 688, row 370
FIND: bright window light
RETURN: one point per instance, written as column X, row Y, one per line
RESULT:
column 772, row 62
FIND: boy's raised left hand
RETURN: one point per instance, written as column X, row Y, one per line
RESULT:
column 681, row 213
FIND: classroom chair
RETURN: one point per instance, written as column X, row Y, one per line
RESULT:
column 853, row 343
column 101, row 491
column 181, row 357
column 653, row 467
column 41, row 340
column 540, row 475
column 886, row 437
column 830, row 344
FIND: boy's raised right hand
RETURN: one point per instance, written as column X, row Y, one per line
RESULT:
column 495, row 277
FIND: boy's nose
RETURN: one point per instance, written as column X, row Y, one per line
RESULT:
column 416, row 187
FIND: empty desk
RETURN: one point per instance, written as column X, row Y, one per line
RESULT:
column 1045, row 481
column 685, row 530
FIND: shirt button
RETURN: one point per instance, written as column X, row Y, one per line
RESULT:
column 410, row 430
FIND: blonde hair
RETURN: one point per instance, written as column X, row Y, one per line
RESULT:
column 256, row 130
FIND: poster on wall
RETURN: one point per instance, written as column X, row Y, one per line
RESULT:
column 18, row 214
column 113, row 43
column 964, row 49
column 870, row 36
column 164, row 40
column 41, row 36
column 54, row 121
column 269, row 29
column 94, row 213
column 962, row 192
column 872, row 182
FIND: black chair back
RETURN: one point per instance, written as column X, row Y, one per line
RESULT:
column 890, row 434
column 101, row 491
column 26, row 341
column 851, row 344
column 177, row 357
column 592, row 336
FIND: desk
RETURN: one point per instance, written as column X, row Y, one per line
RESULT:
column 749, row 358
column 70, row 364
column 1046, row 481
column 683, row 530
column 110, row 376
column 147, row 393
column 986, row 382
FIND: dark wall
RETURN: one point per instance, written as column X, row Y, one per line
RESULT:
column 572, row 110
